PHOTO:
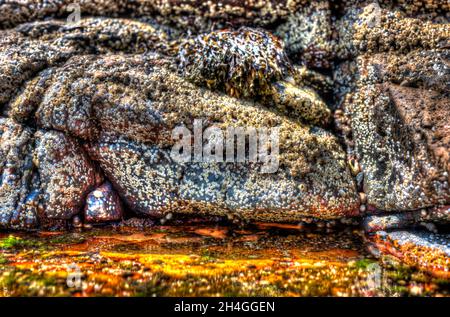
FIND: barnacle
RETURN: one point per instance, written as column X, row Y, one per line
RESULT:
column 252, row 63
column 89, row 107
column 243, row 62
column 303, row 102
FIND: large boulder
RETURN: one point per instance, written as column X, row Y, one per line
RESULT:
column 133, row 149
column 394, row 103
column 103, row 105
column 401, row 137
column 45, row 176
column 367, row 27
column 66, row 174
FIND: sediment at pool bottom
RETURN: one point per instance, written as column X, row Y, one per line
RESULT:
column 203, row 260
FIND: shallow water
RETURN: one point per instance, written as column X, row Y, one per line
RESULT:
column 202, row 260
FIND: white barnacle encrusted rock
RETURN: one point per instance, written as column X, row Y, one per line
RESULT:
column 66, row 174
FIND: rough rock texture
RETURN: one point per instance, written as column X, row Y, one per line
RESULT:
column 190, row 14
column 20, row 188
column 66, row 174
column 392, row 84
column 110, row 88
column 312, row 164
column 421, row 217
column 430, row 252
column 396, row 105
column 307, row 34
column 394, row 142
column 370, row 28
column 28, row 52
column 150, row 182
column 45, row 175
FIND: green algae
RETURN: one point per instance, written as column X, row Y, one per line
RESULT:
column 364, row 263
column 12, row 242
column 3, row 260
column 21, row 282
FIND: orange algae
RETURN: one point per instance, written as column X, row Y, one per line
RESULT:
column 202, row 260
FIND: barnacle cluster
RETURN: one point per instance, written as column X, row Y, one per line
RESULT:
column 110, row 107
column 96, row 100
column 242, row 62
column 252, row 62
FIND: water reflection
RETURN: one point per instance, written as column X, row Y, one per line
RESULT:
column 204, row 260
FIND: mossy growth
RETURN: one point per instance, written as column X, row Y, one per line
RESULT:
column 207, row 256
column 23, row 281
column 364, row 263
column 3, row 260
column 13, row 242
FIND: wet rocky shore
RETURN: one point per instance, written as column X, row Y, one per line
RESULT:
column 357, row 92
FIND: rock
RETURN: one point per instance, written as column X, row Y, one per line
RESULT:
column 19, row 188
column 153, row 183
column 28, row 52
column 425, row 9
column 401, row 171
column 45, row 176
column 301, row 102
column 307, row 34
column 150, row 182
column 425, row 69
column 373, row 223
column 124, row 108
column 371, row 28
column 196, row 16
column 321, row 83
column 392, row 95
column 396, row 108
column 21, row 59
column 426, row 251
column 105, row 95
column 66, row 174
column 393, row 102
column 103, row 205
